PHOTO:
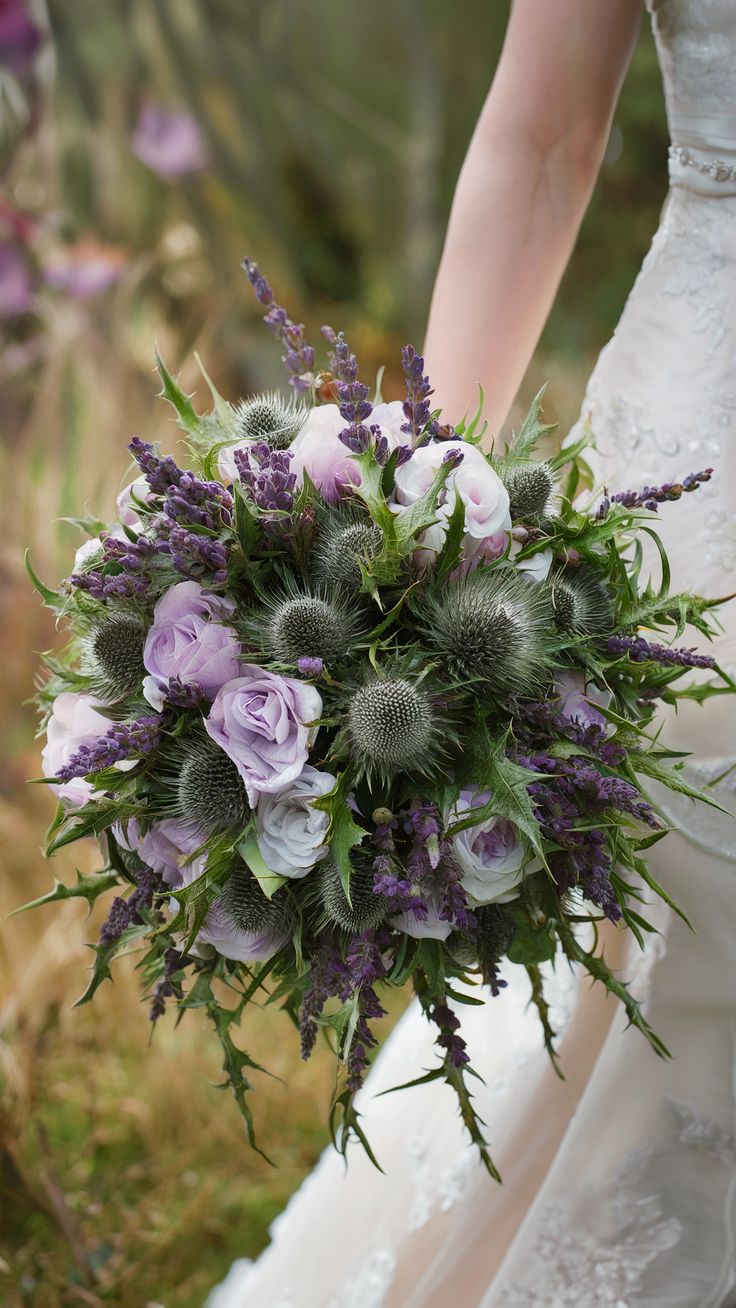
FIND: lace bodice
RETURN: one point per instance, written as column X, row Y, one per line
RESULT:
column 696, row 44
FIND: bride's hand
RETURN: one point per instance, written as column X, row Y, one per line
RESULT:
column 522, row 193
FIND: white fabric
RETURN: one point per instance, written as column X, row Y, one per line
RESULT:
column 620, row 1184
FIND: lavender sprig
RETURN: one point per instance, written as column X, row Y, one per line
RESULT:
column 652, row 496
column 640, row 650
column 353, row 402
column 267, row 474
column 125, row 913
column 299, row 356
column 124, row 740
column 418, row 390
column 448, row 1039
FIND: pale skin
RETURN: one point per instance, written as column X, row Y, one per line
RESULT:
column 521, row 195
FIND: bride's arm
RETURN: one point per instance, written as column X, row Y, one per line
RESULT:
column 522, row 193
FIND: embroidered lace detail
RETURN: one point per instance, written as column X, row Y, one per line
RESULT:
column 596, row 1249
column 370, row 1284
column 719, row 169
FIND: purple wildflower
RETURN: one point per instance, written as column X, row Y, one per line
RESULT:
column 125, row 913
column 299, row 357
column 169, row 142
column 198, row 556
column 652, row 496
column 267, row 475
column 640, row 650
column 188, row 500
column 448, row 1039
column 418, row 390
column 182, row 694
column 166, row 987
column 353, row 402
column 310, row 667
column 123, row 741
column 128, row 577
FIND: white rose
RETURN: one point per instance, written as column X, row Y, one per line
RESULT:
column 320, row 453
column 291, row 831
column 89, row 552
column 432, row 927
column 74, row 721
column 536, row 567
column 481, row 490
column 491, row 854
column 226, row 465
column 127, row 512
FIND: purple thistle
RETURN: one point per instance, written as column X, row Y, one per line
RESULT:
column 125, row 913
column 640, row 650
column 310, row 667
column 123, row 741
column 652, row 496
column 299, row 357
column 418, row 390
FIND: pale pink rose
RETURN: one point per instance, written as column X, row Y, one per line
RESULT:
column 74, row 721
column 320, row 453
column 481, row 490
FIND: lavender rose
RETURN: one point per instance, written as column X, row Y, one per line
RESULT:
column 74, row 721
column 320, row 453
column 264, row 724
column 291, row 831
column 579, row 702
column 431, row 927
column 168, row 848
column 221, row 933
column 481, row 490
column 491, row 854
column 188, row 639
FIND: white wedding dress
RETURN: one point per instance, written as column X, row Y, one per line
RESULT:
column 620, row 1183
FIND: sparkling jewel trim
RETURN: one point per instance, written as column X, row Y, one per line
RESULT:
column 718, row 169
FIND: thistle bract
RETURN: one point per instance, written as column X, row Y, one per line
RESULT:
column 392, row 727
column 343, row 546
column 530, row 487
column 581, row 603
column 269, row 418
column 363, row 911
column 310, row 626
column 210, row 789
column 491, row 627
column 113, row 656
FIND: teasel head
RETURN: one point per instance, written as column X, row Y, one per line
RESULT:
column 112, row 656
column 244, row 902
column 581, row 602
column 530, row 486
column 269, row 418
column 494, row 627
column 210, row 789
column 306, row 624
column 393, row 726
column 345, row 541
column 364, row 911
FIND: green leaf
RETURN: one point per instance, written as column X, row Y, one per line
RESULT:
column 523, row 445
column 88, row 887
column 343, row 833
column 540, row 1003
column 532, row 943
column 449, row 555
column 247, row 528
column 269, row 881
column 423, row 512
column 187, row 416
column 672, row 778
column 508, row 784
column 51, row 598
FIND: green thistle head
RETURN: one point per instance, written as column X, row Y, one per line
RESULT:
column 210, row 789
column 113, row 656
column 581, row 602
column 392, row 728
column 300, row 625
column 491, row 626
column 345, row 542
column 246, row 905
column 269, row 418
column 530, row 486
column 366, row 909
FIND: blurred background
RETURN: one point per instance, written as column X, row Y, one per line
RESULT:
column 145, row 147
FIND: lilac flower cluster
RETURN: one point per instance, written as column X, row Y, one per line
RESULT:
column 123, row 741
column 299, row 357
column 333, row 976
column 418, row 390
column 267, row 474
column 640, row 650
column 131, row 558
column 125, row 913
column 196, row 556
column 652, row 496
column 448, row 1039
column 571, row 796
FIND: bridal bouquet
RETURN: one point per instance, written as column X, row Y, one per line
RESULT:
column 350, row 703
